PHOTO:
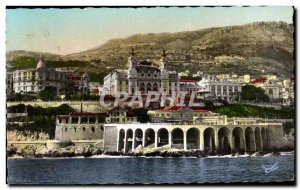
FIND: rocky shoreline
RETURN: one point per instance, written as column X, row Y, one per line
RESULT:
column 41, row 151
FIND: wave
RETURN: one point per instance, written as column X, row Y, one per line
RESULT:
column 287, row 153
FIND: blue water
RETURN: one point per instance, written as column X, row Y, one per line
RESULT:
column 124, row 170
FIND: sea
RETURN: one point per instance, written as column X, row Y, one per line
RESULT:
column 151, row 170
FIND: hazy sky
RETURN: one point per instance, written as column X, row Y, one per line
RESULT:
column 65, row 31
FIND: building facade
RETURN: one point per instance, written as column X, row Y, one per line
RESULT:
column 35, row 80
column 80, row 126
column 222, row 90
column 120, row 115
column 143, row 77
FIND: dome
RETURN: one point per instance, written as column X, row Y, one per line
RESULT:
column 41, row 63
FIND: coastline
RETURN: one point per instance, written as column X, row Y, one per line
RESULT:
column 91, row 151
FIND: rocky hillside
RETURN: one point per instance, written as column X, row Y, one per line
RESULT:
column 257, row 48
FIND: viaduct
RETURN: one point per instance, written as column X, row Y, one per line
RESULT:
column 225, row 139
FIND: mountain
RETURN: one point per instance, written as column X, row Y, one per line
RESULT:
column 256, row 48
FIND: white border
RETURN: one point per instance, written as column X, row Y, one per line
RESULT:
column 4, row 3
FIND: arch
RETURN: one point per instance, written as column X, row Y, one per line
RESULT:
column 209, row 139
column 155, row 87
column 193, row 138
column 149, row 87
column 121, row 140
column 271, row 93
column 264, row 137
column 238, row 144
column 258, row 139
column 149, row 137
column 129, row 139
column 74, row 129
column 223, row 138
column 83, row 129
column 93, row 129
column 163, row 137
column 142, row 88
column 138, row 140
column 250, row 140
column 66, row 129
column 177, row 138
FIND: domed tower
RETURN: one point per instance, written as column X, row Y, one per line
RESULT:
column 132, row 61
column 164, row 73
column 85, row 83
column 40, row 74
column 41, row 63
column 164, row 62
column 132, row 73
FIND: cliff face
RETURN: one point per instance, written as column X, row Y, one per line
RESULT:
column 257, row 48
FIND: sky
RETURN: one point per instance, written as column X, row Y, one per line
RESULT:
column 66, row 31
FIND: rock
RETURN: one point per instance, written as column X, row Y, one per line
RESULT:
column 256, row 154
column 11, row 150
column 79, row 150
column 41, row 151
column 96, row 151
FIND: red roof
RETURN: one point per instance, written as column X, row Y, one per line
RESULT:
column 259, row 80
column 176, row 108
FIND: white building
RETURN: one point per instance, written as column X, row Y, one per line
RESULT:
column 143, row 77
column 224, row 90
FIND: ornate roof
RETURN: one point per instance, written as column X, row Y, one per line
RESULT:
column 147, row 68
column 41, row 63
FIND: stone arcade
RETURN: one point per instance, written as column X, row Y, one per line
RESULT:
column 221, row 138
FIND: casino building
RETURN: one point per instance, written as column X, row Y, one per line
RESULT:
column 142, row 76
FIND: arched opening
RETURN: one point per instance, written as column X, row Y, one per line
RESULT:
column 209, row 139
column 271, row 93
column 142, row 88
column 66, row 129
column 250, row 140
column 75, row 129
column 264, row 138
column 193, row 138
column 155, row 87
column 238, row 140
column 149, row 87
column 149, row 137
column 223, row 137
column 163, row 137
column 83, row 129
column 258, row 138
column 93, row 129
column 138, row 138
column 121, row 139
column 177, row 138
column 129, row 139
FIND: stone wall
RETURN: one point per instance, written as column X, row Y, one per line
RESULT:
column 86, row 106
column 110, row 138
column 276, row 136
column 79, row 132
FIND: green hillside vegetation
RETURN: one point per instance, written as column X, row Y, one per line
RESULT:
column 242, row 110
column 43, row 118
column 255, row 49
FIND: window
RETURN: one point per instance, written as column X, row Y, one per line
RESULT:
column 93, row 129
column 83, row 128
column 101, row 128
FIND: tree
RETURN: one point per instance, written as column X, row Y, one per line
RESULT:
column 250, row 92
column 49, row 93
column 141, row 114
